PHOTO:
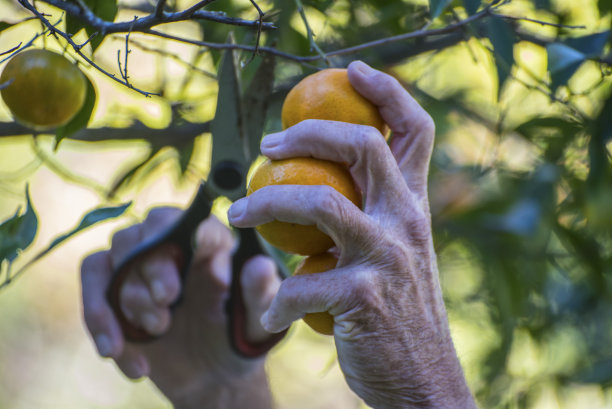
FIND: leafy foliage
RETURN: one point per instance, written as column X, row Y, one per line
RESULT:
column 18, row 232
column 526, row 206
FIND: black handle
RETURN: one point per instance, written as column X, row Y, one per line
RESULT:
column 178, row 241
column 249, row 246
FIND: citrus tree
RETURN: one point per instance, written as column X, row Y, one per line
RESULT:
column 521, row 177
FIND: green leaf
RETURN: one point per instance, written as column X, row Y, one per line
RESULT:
column 471, row 6
column 502, row 38
column 436, row 7
column 592, row 45
column 91, row 218
column 563, row 62
column 18, row 232
column 81, row 119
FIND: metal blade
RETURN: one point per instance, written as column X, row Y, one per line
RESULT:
column 230, row 161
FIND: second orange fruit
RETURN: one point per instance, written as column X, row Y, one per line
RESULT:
column 328, row 95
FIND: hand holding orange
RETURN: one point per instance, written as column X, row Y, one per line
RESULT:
column 328, row 95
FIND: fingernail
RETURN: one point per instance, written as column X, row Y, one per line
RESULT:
column 104, row 345
column 236, row 210
column 158, row 291
column 272, row 140
column 264, row 321
column 150, row 322
column 138, row 368
column 363, row 68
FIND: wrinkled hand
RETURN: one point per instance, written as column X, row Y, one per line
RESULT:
column 391, row 329
column 191, row 362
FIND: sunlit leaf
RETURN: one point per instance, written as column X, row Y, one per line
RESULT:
column 563, row 62
column 436, row 7
column 18, row 232
column 81, row 119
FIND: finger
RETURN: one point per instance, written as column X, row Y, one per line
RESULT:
column 139, row 307
column 413, row 128
column 159, row 270
column 123, row 242
column 350, row 228
column 362, row 148
column 260, row 283
column 298, row 295
column 134, row 364
column 99, row 318
column 215, row 243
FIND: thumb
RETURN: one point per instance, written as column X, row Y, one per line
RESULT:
column 260, row 282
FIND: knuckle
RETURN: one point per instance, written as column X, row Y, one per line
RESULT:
column 370, row 140
column 426, row 126
column 365, row 288
column 330, row 202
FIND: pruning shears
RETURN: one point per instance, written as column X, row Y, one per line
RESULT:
column 236, row 133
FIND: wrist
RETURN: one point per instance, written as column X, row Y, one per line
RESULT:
column 247, row 390
column 444, row 387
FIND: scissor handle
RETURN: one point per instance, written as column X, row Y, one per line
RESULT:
column 177, row 241
column 249, row 246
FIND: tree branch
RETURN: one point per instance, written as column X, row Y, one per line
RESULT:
column 177, row 134
column 154, row 19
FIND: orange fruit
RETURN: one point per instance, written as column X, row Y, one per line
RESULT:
column 322, row 322
column 292, row 237
column 329, row 95
column 46, row 91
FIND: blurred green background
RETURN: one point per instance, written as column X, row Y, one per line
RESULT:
column 520, row 188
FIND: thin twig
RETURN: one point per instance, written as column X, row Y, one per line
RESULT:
column 175, row 57
column 419, row 34
column 17, row 49
column 309, row 32
column 76, row 48
column 258, row 38
column 149, row 21
column 11, row 50
column 191, row 10
column 541, row 22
